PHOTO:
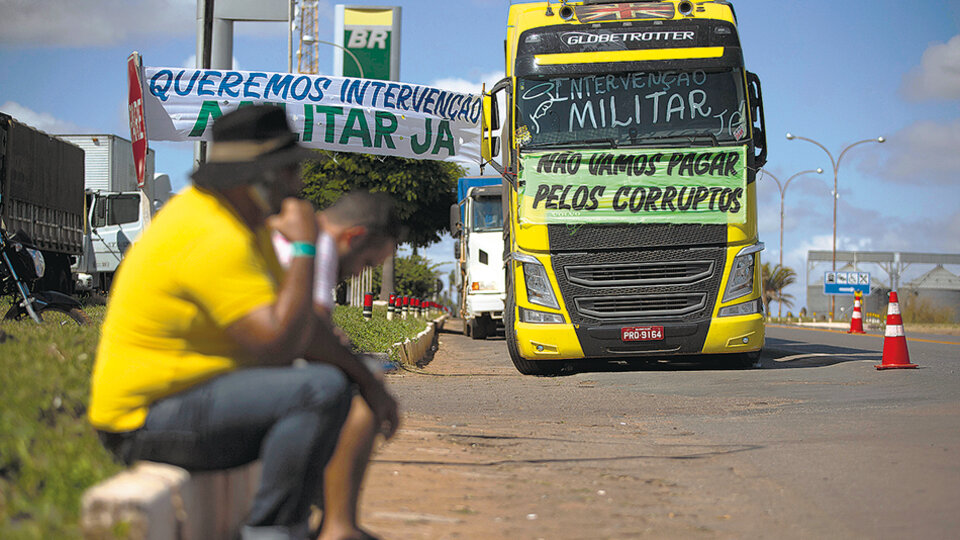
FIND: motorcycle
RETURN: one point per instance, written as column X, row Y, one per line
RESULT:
column 21, row 266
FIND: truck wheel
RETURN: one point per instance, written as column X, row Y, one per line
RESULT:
column 478, row 330
column 750, row 360
column 524, row 366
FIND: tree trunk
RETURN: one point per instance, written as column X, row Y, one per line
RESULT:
column 387, row 283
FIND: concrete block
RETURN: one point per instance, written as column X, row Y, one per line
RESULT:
column 155, row 501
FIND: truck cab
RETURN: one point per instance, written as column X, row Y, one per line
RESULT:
column 630, row 145
column 115, row 220
column 478, row 230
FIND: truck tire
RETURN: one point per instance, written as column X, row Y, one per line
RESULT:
column 524, row 366
column 750, row 360
column 478, row 330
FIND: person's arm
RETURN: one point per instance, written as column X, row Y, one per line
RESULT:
column 277, row 333
column 327, row 347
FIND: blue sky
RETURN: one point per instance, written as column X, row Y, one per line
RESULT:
column 837, row 72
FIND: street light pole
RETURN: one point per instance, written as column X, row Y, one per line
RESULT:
column 783, row 193
column 836, row 194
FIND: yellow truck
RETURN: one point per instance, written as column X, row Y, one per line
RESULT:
column 630, row 142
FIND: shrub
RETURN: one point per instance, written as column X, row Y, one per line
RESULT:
column 918, row 310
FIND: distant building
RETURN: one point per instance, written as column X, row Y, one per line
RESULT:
column 940, row 287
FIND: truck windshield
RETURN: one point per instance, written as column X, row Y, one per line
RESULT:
column 487, row 215
column 632, row 109
column 115, row 210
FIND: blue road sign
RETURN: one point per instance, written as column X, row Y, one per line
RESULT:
column 846, row 283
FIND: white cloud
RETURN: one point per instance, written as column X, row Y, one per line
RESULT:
column 456, row 84
column 43, row 121
column 923, row 152
column 93, row 23
column 938, row 75
column 109, row 22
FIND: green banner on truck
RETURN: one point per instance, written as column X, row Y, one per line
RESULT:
column 705, row 186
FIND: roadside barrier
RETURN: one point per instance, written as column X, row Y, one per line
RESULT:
column 391, row 307
column 856, row 320
column 895, row 355
column 367, row 306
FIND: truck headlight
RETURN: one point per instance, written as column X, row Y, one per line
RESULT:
column 740, row 282
column 541, row 317
column 745, row 308
column 535, row 277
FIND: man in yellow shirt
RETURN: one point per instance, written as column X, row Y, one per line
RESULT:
column 193, row 367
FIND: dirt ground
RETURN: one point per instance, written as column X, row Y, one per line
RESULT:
column 505, row 474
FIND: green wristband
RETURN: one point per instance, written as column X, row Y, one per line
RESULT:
column 303, row 249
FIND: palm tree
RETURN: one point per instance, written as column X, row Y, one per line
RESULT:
column 773, row 282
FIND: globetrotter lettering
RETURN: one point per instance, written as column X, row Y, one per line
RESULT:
column 335, row 113
column 635, row 186
column 583, row 38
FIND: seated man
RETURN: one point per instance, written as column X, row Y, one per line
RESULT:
column 193, row 367
column 357, row 231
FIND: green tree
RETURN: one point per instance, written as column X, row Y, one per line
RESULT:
column 774, row 280
column 422, row 189
column 416, row 276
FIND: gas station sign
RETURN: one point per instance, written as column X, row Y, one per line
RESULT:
column 370, row 41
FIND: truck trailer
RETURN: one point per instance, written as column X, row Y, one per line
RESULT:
column 41, row 196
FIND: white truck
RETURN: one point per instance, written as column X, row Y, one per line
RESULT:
column 116, row 210
column 476, row 223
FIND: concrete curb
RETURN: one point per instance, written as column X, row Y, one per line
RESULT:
column 156, row 501
column 413, row 350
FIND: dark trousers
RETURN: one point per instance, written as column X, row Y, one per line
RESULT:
column 289, row 417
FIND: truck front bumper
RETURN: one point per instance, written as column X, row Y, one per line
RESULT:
column 724, row 335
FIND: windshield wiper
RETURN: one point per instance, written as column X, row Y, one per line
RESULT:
column 607, row 141
column 692, row 138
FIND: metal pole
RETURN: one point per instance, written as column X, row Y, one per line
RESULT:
column 783, row 194
column 836, row 194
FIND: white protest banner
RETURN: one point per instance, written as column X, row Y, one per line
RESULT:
column 333, row 113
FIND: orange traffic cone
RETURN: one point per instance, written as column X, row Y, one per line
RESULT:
column 856, row 320
column 895, row 355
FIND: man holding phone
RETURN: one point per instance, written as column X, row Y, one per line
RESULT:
column 194, row 363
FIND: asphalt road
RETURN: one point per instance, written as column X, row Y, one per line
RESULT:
column 816, row 443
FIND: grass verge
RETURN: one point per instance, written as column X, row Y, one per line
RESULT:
column 48, row 453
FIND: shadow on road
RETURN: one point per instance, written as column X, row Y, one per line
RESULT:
column 690, row 452
column 788, row 354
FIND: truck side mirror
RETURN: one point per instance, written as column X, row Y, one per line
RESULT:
column 756, row 115
column 456, row 250
column 490, row 120
column 455, row 224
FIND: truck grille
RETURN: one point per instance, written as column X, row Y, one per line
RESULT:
column 659, row 285
column 607, row 275
column 618, row 307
